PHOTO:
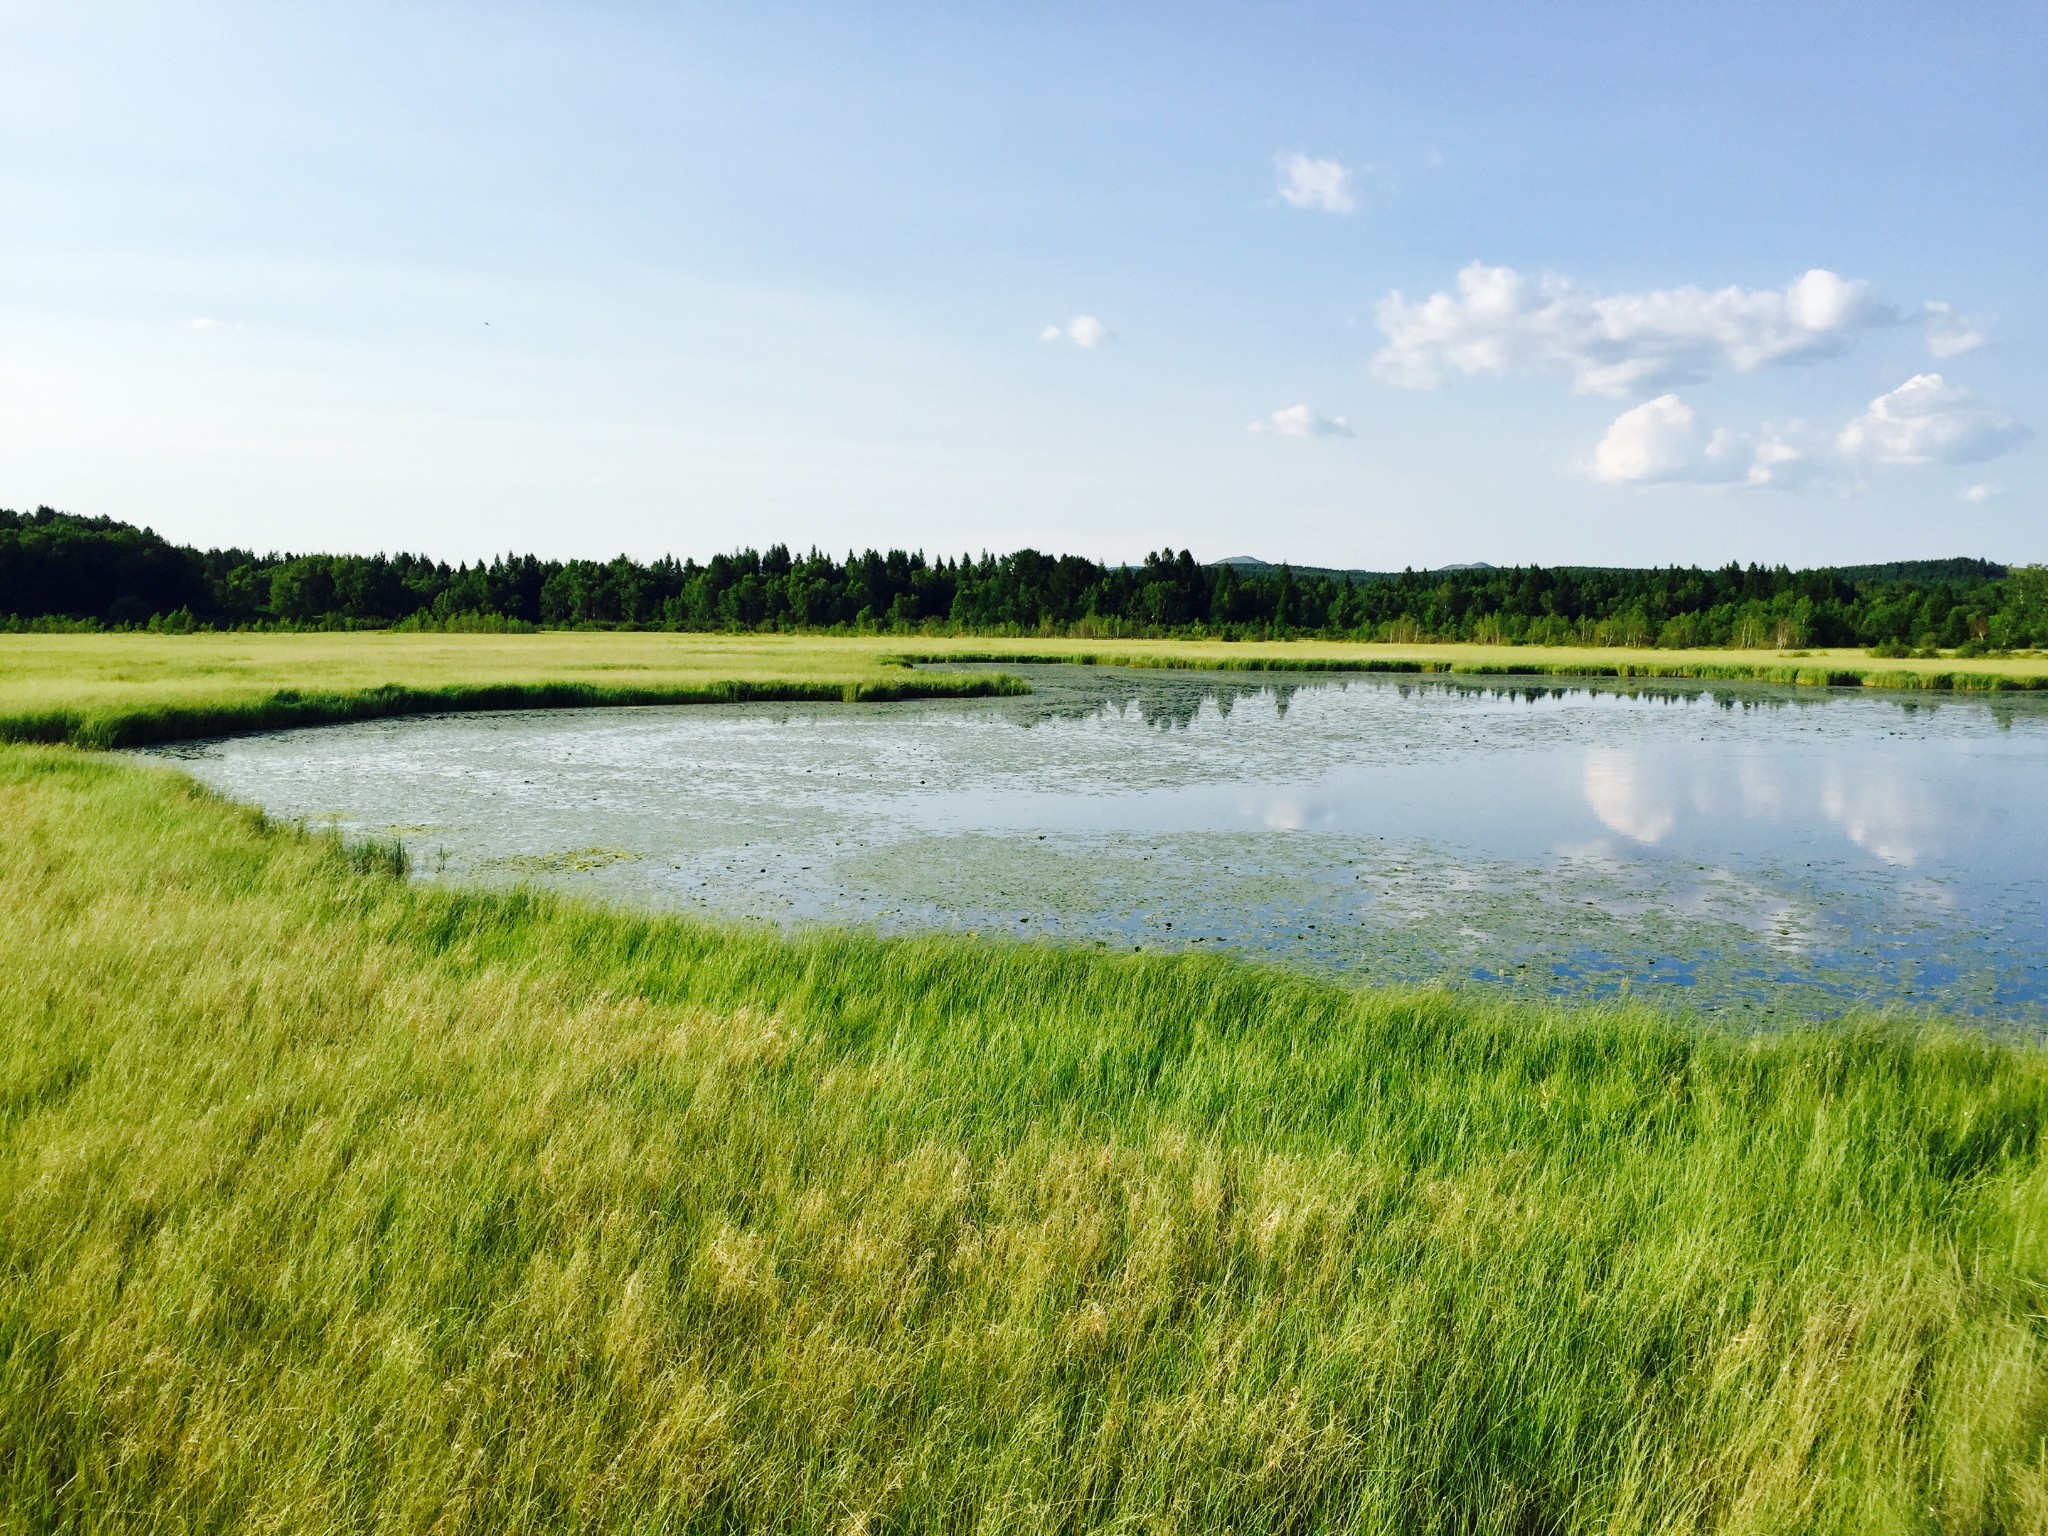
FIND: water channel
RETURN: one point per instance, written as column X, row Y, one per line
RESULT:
column 1733, row 849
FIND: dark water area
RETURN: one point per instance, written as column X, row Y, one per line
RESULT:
column 1734, row 849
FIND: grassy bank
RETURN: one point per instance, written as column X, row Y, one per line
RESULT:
column 328, row 1203
column 131, row 689
column 1805, row 669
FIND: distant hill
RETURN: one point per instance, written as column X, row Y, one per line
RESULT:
column 1251, row 563
column 1958, row 569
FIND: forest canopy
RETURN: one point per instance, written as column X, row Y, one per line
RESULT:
column 61, row 570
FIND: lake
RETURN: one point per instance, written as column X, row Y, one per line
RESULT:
column 1735, row 849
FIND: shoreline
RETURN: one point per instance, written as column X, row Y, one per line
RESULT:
column 289, row 709
column 126, row 691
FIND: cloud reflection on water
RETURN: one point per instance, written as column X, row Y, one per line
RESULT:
column 1628, row 796
column 1640, row 796
column 1878, row 811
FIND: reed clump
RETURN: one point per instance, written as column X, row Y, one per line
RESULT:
column 330, row 1201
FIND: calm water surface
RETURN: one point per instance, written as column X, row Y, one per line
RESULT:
column 1736, row 849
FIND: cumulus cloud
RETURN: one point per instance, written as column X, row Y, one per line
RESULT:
column 1658, row 440
column 1300, row 421
column 1662, row 442
column 1319, row 184
column 1948, row 333
column 1977, row 495
column 1082, row 331
column 1500, row 322
column 1927, row 420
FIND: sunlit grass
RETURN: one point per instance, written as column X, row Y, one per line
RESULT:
column 124, row 690
column 331, row 1202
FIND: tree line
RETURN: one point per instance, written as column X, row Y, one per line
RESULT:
column 61, row 570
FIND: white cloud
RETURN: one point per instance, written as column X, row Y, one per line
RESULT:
column 1924, row 421
column 1977, row 495
column 1307, row 183
column 1082, row 331
column 1927, row 420
column 205, row 323
column 1658, row 440
column 1662, row 442
column 1300, row 421
column 1948, row 333
column 1785, row 457
column 1619, row 344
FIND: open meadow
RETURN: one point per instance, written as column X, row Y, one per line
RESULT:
column 127, row 689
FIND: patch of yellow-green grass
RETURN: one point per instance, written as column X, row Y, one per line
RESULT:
column 330, row 1203
column 125, row 689
column 115, row 690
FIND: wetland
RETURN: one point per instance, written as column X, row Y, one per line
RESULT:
column 1733, row 849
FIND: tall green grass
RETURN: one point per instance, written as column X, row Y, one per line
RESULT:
column 334, row 1203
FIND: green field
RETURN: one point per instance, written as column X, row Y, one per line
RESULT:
column 112, row 690
column 333, row 1202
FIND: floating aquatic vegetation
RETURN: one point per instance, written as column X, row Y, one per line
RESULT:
column 567, row 861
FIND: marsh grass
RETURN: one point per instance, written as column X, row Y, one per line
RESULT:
column 332, row 1202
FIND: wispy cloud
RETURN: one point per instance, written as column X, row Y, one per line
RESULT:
column 1301, row 421
column 1499, row 322
column 1977, row 495
column 1082, row 331
column 1305, row 182
column 1950, row 334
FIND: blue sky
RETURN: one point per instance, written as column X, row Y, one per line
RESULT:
column 1353, row 285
